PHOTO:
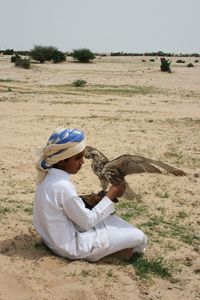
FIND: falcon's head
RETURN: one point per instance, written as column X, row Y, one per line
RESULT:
column 94, row 154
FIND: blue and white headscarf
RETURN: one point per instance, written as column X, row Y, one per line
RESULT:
column 62, row 144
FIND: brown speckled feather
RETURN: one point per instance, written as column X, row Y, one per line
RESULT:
column 133, row 164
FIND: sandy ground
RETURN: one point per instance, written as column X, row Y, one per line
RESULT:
column 127, row 106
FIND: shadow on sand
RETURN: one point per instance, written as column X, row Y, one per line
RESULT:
column 30, row 246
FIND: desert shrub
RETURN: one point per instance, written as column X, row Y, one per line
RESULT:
column 47, row 53
column 152, row 59
column 180, row 61
column 79, row 83
column 83, row 55
column 165, row 65
column 18, row 62
column 43, row 53
column 190, row 65
column 196, row 61
column 26, row 63
column 14, row 57
column 58, row 57
column 23, row 63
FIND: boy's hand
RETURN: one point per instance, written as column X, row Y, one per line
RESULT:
column 116, row 190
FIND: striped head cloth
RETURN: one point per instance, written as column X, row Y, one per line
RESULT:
column 62, row 144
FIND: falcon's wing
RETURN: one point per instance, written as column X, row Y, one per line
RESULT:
column 133, row 164
column 168, row 168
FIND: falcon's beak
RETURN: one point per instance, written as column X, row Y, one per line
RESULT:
column 87, row 153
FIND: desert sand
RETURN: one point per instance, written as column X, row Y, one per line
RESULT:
column 127, row 106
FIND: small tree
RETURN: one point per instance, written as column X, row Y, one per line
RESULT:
column 165, row 65
column 58, row 56
column 43, row 53
column 83, row 55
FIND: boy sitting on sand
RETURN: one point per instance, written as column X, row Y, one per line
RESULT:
column 60, row 216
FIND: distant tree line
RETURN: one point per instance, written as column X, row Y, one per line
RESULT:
column 159, row 53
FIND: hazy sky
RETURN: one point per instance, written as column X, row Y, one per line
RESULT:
column 101, row 26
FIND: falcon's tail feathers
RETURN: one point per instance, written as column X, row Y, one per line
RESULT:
column 168, row 168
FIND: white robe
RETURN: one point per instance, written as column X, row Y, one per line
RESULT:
column 71, row 230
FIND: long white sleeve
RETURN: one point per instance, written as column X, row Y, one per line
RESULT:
column 86, row 219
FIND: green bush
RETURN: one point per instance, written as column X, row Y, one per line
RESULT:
column 47, row 53
column 165, row 65
column 58, row 56
column 190, row 65
column 18, row 62
column 14, row 57
column 23, row 63
column 79, row 83
column 83, row 55
column 26, row 63
column 43, row 53
column 180, row 61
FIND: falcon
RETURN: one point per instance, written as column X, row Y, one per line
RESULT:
column 114, row 171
